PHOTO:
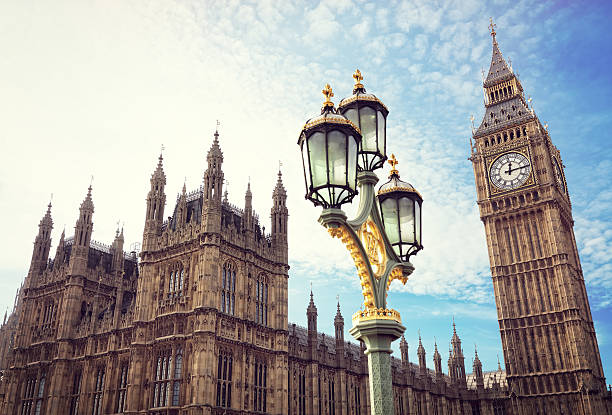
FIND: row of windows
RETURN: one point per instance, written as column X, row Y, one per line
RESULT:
column 505, row 92
column 228, row 295
column 175, row 283
column 505, row 136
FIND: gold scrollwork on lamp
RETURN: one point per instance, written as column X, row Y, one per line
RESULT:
column 360, row 263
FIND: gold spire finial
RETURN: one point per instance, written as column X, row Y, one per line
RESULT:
column 358, row 78
column 327, row 91
column 492, row 27
column 393, row 162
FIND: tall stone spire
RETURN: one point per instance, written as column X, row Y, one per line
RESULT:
column 42, row 243
column 213, row 176
column 339, row 330
column 82, row 236
column 311, row 315
column 248, row 207
column 156, row 201
column 60, row 252
column 339, row 325
column 477, row 369
column 404, row 350
column 279, row 216
column 437, row 360
column 421, row 355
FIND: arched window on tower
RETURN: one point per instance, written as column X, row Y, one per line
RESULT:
column 224, row 379
column 261, row 300
column 228, row 289
column 176, row 281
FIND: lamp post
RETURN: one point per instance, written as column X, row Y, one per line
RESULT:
column 341, row 148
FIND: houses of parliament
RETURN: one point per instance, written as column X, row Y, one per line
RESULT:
column 197, row 322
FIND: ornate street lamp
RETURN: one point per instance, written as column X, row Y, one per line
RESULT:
column 380, row 245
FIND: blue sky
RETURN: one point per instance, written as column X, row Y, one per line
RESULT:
column 95, row 88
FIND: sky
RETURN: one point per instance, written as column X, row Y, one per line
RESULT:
column 95, row 88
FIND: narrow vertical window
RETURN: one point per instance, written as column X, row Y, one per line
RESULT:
column 259, row 386
column 122, row 388
column 224, row 379
column 178, row 370
column 76, row 393
column 98, row 391
column 261, row 302
column 228, row 289
column 40, row 395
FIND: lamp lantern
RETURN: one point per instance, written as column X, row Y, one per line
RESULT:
column 400, row 207
column 370, row 115
column 330, row 144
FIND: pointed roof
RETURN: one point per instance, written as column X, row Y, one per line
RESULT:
column 476, row 359
column 312, row 308
column 499, row 69
column 87, row 202
column 248, row 193
column 46, row 220
column 338, row 319
column 215, row 150
column 420, row 349
column 279, row 190
column 403, row 342
column 159, row 170
column 436, row 354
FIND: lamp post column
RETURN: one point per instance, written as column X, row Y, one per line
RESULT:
column 378, row 334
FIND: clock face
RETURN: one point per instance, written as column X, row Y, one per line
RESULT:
column 510, row 171
column 558, row 174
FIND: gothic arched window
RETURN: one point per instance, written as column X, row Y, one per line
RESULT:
column 260, row 383
column 224, row 379
column 261, row 301
column 176, row 280
column 228, row 289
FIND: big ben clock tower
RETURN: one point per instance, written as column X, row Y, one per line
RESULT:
column 550, row 348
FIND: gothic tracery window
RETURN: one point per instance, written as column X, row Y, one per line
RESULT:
column 178, row 376
column 98, row 391
column 168, row 371
column 228, row 289
column 27, row 399
column 261, row 301
column 224, row 379
column 176, row 281
column 76, row 393
column 161, row 386
column 122, row 388
column 259, row 386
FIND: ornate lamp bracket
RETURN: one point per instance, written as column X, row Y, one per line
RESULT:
column 376, row 262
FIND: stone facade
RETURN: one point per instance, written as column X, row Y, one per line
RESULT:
column 197, row 324
column 550, row 348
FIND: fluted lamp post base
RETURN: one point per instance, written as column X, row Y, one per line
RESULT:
column 378, row 334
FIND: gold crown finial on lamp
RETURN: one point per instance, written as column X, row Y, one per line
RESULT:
column 393, row 162
column 358, row 78
column 327, row 91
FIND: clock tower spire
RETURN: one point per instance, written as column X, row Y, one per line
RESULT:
column 543, row 310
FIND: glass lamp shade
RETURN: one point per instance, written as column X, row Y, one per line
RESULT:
column 329, row 145
column 400, row 208
column 370, row 115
